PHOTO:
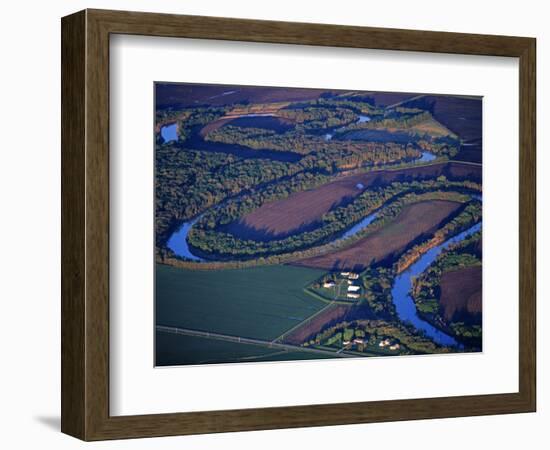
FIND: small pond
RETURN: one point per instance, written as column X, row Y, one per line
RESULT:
column 169, row 132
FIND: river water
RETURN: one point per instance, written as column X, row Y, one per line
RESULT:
column 358, row 227
column 169, row 132
column 361, row 119
column 404, row 304
column 178, row 241
column 426, row 157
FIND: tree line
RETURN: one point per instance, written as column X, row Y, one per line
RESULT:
column 208, row 235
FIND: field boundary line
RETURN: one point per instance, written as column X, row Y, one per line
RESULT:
column 245, row 340
column 303, row 322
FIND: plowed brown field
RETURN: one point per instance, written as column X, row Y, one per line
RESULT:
column 303, row 210
column 414, row 221
column 328, row 317
column 461, row 291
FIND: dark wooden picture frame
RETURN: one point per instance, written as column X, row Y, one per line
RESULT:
column 85, row 224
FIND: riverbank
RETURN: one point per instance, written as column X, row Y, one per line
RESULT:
column 370, row 226
column 401, row 292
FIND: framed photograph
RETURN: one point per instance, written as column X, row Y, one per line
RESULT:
column 273, row 225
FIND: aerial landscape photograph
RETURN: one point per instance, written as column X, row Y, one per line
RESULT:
column 305, row 224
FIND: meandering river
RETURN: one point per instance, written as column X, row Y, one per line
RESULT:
column 404, row 304
column 361, row 119
column 178, row 241
column 358, row 227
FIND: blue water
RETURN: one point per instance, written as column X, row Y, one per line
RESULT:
column 178, row 242
column 359, row 226
column 426, row 157
column 361, row 119
column 169, row 132
column 404, row 304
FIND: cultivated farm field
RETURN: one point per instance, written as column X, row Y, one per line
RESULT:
column 334, row 313
column 176, row 349
column 461, row 115
column 261, row 302
column 296, row 224
column 461, row 291
column 414, row 221
column 187, row 95
column 303, row 210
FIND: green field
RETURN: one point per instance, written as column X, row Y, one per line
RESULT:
column 261, row 302
column 177, row 349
